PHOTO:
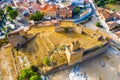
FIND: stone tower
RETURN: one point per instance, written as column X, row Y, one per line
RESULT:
column 74, row 53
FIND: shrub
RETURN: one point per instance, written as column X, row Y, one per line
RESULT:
column 34, row 68
column 27, row 74
column 101, row 45
column 35, row 77
column 63, row 47
column 99, row 3
column 98, row 24
column 3, row 41
column 66, row 29
column 76, row 10
column 36, row 16
column 46, row 61
column 90, row 17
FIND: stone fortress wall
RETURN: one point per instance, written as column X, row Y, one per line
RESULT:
column 87, row 54
column 94, row 51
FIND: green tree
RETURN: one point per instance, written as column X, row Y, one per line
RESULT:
column 4, row 29
column 98, row 24
column 35, row 77
column 36, row 16
column 26, row 74
column 90, row 17
column 66, row 29
column 13, row 14
column 34, row 68
column 76, row 10
column 1, row 12
column 8, row 8
column 46, row 61
column 111, row 1
column 99, row 3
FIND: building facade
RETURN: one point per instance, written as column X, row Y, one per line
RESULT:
column 64, row 12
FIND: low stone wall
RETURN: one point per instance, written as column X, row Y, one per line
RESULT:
column 61, row 29
column 45, row 25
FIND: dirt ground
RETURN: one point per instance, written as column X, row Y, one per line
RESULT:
column 7, row 65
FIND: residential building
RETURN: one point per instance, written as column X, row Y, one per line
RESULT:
column 86, row 1
column 64, row 12
column 117, row 34
column 112, row 25
column 54, row 0
column 51, row 11
column 44, row 7
column 104, row 14
column 79, row 3
column 118, row 14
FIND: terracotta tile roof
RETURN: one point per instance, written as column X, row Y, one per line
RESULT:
column 36, row 7
column 115, row 15
column 11, row 4
column 71, row 7
column 52, row 8
column 44, row 7
column 117, row 33
column 20, row 3
column 86, row 1
column 21, row 10
column 105, row 14
column 118, row 13
column 112, row 24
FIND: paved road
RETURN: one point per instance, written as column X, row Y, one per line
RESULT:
column 90, row 13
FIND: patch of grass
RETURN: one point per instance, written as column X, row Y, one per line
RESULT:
column 112, row 6
column 3, row 41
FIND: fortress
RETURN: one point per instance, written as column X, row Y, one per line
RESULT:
column 80, row 44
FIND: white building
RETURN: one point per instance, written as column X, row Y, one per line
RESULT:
column 79, row 3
